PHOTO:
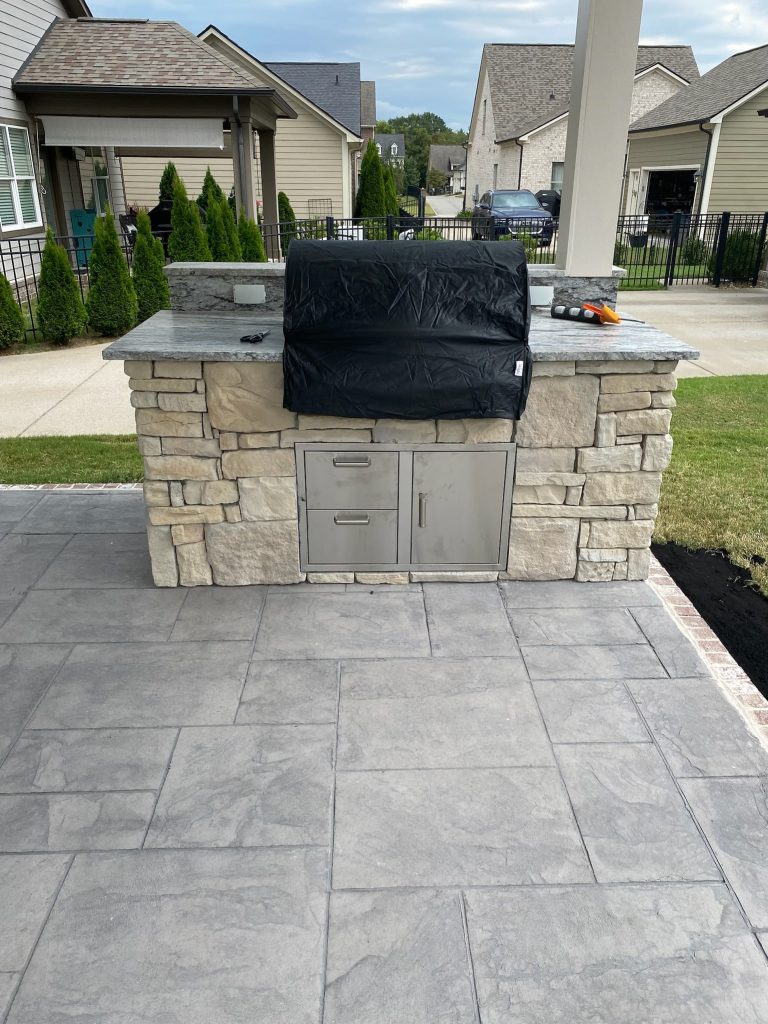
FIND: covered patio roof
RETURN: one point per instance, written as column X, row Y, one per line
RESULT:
column 153, row 83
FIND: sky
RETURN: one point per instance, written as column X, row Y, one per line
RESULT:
column 425, row 54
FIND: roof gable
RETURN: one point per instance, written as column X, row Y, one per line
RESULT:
column 710, row 95
column 530, row 83
column 333, row 87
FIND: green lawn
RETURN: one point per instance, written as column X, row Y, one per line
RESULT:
column 70, row 460
column 715, row 492
column 651, row 276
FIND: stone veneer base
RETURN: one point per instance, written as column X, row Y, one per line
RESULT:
column 220, row 476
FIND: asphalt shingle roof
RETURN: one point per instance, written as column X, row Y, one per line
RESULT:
column 368, row 103
column 333, row 87
column 724, row 85
column 444, row 157
column 385, row 141
column 106, row 53
column 531, row 83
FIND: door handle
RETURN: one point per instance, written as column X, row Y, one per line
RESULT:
column 351, row 460
column 422, row 510
column 352, row 519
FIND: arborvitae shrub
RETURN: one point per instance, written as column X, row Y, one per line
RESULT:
column 390, row 191
column 111, row 304
column 149, row 280
column 210, row 191
column 230, row 227
column 371, row 201
column 216, row 233
column 167, row 180
column 187, row 242
column 60, row 311
column 287, row 219
column 11, row 317
column 251, row 242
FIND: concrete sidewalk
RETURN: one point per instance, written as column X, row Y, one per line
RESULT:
column 729, row 326
column 67, row 391
column 513, row 804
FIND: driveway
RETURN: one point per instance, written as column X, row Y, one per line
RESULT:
column 480, row 804
column 445, row 206
column 729, row 326
column 67, row 391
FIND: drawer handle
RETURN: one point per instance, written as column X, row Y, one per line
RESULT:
column 355, row 460
column 422, row 510
column 353, row 519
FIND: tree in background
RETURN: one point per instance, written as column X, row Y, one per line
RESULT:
column 187, row 242
column 149, row 281
column 251, row 242
column 420, row 131
column 60, row 310
column 436, row 180
column 371, row 199
column 11, row 317
column 230, row 227
column 287, row 219
column 390, row 191
column 111, row 304
column 211, row 190
column 167, row 180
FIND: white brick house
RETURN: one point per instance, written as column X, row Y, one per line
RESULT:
column 520, row 115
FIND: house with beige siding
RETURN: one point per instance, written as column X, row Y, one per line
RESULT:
column 704, row 150
column 520, row 114
column 315, row 152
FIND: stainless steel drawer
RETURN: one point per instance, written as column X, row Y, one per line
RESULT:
column 351, row 479
column 352, row 536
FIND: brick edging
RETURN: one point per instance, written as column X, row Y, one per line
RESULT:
column 70, row 487
column 732, row 678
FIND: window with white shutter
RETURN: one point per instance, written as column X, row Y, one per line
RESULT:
column 19, row 203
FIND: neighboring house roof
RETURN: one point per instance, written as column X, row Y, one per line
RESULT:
column 367, row 104
column 530, row 83
column 110, row 55
column 447, row 158
column 714, row 92
column 76, row 8
column 334, row 87
column 385, row 141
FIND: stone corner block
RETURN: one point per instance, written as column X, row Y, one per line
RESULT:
column 247, row 397
column 560, row 412
column 542, row 549
column 245, row 553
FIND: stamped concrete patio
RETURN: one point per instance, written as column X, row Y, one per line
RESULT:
column 464, row 804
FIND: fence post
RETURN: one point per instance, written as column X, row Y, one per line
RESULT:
column 390, row 227
column 422, row 202
column 760, row 249
column 722, row 239
column 329, row 228
column 674, row 235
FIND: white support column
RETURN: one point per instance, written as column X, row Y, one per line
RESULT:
column 604, row 62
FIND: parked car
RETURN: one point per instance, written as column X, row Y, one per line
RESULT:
column 550, row 200
column 511, row 212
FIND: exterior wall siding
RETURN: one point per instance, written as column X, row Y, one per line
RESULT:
column 651, row 90
column 484, row 151
column 544, row 148
column 740, row 178
column 675, row 149
column 24, row 22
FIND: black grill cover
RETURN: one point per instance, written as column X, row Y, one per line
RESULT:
column 407, row 329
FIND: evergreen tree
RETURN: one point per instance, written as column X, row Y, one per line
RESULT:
column 111, row 304
column 11, row 317
column 167, row 180
column 287, row 219
column 390, row 191
column 187, row 242
column 148, row 277
column 216, row 233
column 210, row 191
column 371, row 201
column 251, row 242
column 230, row 227
column 60, row 310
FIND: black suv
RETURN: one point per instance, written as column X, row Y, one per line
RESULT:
column 511, row 212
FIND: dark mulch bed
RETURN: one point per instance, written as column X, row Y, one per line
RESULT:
column 723, row 596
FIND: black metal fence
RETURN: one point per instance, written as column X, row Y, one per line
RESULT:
column 659, row 251
column 656, row 251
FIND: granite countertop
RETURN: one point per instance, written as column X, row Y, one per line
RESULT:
column 215, row 337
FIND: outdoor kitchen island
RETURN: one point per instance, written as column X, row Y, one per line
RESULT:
column 240, row 490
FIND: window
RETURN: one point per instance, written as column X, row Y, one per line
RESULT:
column 378, row 148
column 495, row 175
column 393, row 149
column 557, row 176
column 485, row 104
column 19, row 204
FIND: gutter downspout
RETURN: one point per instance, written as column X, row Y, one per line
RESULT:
column 520, row 165
column 238, row 141
column 709, row 135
